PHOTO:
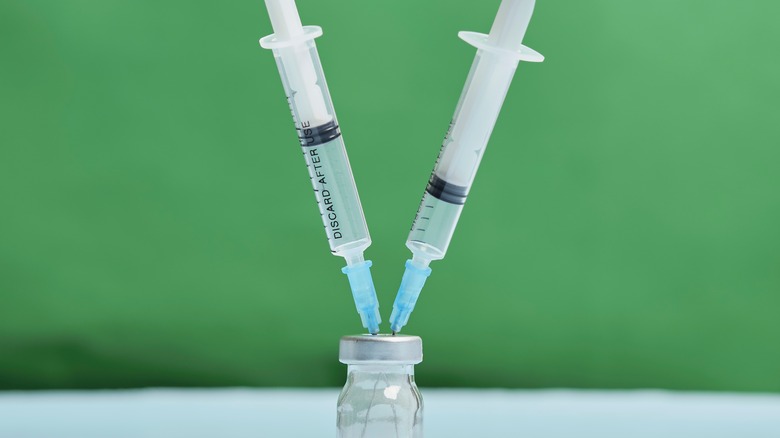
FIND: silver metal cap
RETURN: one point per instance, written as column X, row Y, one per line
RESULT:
column 398, row 349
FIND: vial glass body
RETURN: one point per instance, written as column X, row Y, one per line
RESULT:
column 380, row 401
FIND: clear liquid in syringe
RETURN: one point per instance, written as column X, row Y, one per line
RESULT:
column 336, row 193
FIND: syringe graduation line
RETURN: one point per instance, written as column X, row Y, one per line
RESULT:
column 323, row 149
column 464, row 145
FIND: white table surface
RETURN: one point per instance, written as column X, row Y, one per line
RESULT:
column 239, row 413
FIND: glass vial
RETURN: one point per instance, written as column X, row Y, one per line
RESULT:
column 380, row 398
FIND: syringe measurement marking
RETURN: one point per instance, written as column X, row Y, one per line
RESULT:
column 419, row 218
column 417, row 215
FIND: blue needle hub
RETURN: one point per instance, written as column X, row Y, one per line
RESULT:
column 363, row 292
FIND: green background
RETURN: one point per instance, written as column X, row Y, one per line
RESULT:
column 157, row 225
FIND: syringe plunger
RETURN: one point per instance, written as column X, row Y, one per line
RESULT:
column 511, row 23
column 284, row 18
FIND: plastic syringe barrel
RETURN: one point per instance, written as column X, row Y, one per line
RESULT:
column 323, row 149
column 321, row 142
column 464, row 145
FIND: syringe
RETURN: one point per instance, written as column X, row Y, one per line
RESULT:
column 480, row 102
column 323, row 148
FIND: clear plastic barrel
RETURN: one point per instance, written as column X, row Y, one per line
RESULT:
column 322, row 144
column 460, row 155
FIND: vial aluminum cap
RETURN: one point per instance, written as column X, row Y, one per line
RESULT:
column 391, row 349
